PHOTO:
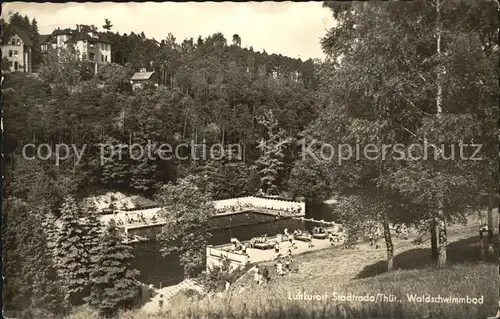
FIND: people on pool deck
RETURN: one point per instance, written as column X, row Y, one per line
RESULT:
column 288, row 263
column 318, row 230
column 277, row 248
column 309, row 241
column 331, row 238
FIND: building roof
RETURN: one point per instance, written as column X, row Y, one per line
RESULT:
column 46, row 38
column 142, row 76
column 83, row 35
column 42, row 38
column 12, row 29
column 61, row 32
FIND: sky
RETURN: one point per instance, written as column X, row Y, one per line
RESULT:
column 289, row 28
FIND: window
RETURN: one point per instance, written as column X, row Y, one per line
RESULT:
column 16, row 65
column 10, row 53
column 84, row 56
column 102, row 58
column 105, row 58
column 91, row 56
column 13, row 41
column 11, row 63
column 15, row 53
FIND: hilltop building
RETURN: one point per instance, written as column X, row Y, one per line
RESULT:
column 17, row 50
column 141, row 79
column 92, row 46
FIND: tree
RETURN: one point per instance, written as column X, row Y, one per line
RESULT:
column 270, row 162
column 113, row 281
column 310, row 179
column 107, row 25
column 115, row 78
column 71, row 254
column 236, row 40
column 416, row 70
column 47, row 296
column 187, row 212
column 62, row 67
column 32, row 286
column 91, row 234
column 216, row 276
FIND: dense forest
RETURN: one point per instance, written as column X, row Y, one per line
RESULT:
column 396, row 73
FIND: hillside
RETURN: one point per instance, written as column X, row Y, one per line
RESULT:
column 359, row 271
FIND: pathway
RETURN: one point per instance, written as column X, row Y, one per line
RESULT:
column 152, row 306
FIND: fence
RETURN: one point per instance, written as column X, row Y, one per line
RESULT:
column 267, row 203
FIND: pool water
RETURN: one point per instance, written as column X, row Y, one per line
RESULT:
column 165, row 271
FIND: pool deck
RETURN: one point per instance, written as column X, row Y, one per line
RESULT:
column 260, row 255
column 256, row 256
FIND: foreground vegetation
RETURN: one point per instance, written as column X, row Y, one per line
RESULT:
column 273, row 301
column 360, row 271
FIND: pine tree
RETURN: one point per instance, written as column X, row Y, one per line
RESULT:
column 51, row 232
column 113, row 280
column 47, row 298
column 114, row 168
column 91, row 235
column 107, row 25
column 70, row 252
column 32, row 285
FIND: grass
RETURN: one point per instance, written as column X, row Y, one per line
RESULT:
column 273, row 301
column 360, row 271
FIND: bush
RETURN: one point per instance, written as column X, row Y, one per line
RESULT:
column 217, row 275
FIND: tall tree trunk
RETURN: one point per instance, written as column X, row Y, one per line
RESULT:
column 185, row 125
column 434, row 239
column 443, row 240
column 481, row 242
column 388, row 243
column 222, row 137
column 439, row 110
column 490, row 225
